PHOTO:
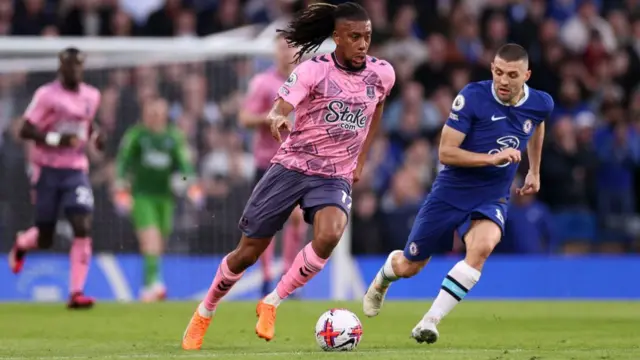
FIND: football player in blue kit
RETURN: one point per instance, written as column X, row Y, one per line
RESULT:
column 490, row 124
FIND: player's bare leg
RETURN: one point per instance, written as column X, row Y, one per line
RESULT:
column 395, row 267
column 229, row 272
column 328, row 227
column 151, row 247
column 266, row 259
column 80, row 258
column 481, row 239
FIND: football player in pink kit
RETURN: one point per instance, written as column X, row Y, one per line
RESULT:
column 60, row 122
column 338, row 100
column 263, row 89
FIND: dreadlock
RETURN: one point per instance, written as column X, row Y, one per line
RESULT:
column 313, row 25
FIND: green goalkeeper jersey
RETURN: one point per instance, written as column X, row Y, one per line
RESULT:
column 148, row 159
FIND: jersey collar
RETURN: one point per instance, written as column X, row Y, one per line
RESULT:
column 345, row 68
column 522, row 101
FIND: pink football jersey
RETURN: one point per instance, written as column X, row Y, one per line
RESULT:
column 263, row 89
column 334, row 109
column 55, row 109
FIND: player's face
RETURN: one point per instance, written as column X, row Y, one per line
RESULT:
column 352, row 40
column 155, row 114
column 71, row 68
column 509, row 78
column 284, row 54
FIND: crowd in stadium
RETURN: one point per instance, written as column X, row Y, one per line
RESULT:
column 585, row 53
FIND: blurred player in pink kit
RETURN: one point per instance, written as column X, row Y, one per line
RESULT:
column 60, row 122
column 263, row 89
column 338, row 100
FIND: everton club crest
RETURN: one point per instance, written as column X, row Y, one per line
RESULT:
column 371, row 92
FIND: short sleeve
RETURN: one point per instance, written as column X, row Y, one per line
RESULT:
column 38, row 107
column 300, row 82
column 255, row 99
column 461, row 115
column 388, row 77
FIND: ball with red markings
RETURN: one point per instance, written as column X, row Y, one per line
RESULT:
column 338, row 330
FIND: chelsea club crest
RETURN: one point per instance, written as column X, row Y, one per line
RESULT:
column 527, row 126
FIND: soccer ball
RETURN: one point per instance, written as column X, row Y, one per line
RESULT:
column 338, row 330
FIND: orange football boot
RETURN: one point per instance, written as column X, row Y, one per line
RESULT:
column 266, row 326
column 196, row 330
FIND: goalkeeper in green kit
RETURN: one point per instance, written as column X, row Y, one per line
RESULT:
column 150, row 153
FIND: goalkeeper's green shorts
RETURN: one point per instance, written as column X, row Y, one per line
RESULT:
column 153, row 212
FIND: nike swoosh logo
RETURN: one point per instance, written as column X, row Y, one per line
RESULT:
column 494, row 118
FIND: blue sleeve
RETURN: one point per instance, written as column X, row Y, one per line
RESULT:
column 462, row 113
column 549, row 105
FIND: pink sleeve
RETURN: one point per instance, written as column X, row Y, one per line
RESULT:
column 255, row 99
column 300, row 82
column 388, row 77
column 38, row 107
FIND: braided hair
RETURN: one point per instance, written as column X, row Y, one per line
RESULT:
column 313, row 25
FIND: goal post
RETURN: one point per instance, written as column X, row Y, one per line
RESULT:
column 27, row 62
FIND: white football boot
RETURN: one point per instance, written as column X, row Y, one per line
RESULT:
column 426, row 331
column 374, row 298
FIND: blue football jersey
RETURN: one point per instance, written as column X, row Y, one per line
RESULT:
column 490, row 126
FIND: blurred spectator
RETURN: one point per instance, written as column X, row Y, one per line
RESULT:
column 162, row 21
column 404, row 42
column 585, row 24
column 366, row 236
column 86, row 18
column 564, row 172
column 412, row 101
column 529, row 226
column 30, row 18
column 225, row 16
column 618, row 150
column 399, row 207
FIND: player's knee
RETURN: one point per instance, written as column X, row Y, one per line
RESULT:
column 479, row 247
column 326, row 239
column 46, row 234
column 246, row 253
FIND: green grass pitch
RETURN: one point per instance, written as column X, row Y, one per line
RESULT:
column 476, row 330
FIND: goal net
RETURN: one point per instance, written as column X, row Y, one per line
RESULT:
column 203, row 79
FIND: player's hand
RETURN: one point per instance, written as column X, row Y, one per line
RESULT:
column 531, row 184
column 279, row 123
column 69, row 140
column 506, row 156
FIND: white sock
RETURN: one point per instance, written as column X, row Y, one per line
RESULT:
column 204, row 312
column 455, row 287
column 386, row 275
column 272, row 299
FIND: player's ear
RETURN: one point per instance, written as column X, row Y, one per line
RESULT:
column 527, row 75
column 335, row 37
